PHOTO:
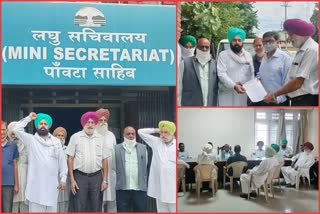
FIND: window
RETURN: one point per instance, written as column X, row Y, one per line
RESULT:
column 266, row 125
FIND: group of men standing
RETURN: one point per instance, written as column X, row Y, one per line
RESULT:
column 92, row 173
column 204, row 81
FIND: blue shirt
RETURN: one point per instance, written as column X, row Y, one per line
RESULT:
column 234, row 158
column 183, row 155
column 273, row 72
column 9, row 153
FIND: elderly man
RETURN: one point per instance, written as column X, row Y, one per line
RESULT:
column 301, row 87
column 274, row 67
column 304, row 162
column 187, row 44
column 278, row 156
column 131, row 166
column 285, row 150
column 257, row 58
column 88, row 166
column 109, row 196
column 206, row 157
column 19, row 197
column 47, row 165
column 199, row 82
column 64, row 195
column 10, row 183
column 259, row 174
column 258, row 153
column 162, row 177
column 235, row 67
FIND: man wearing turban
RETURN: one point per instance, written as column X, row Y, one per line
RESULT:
column 198, row 81
column 162, row 177
column 63, row 198
column 301, row 167
column 47, row 165
column 301, row 85
column 187, row 45
column 19, row 197
column 235, row 67
column 258, row 174
column 88, row 155
column 109, row 196
column 278, row 156
column 285, row 150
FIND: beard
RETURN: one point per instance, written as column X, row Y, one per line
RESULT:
column 236, row 48
column 43, row 131
column 102, row 129
column 167, row 139
column 88, row 131
column 297, row 43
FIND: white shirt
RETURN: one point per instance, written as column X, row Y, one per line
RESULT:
column 88, row 152
column 258, row 153
column 204, row 81
column 260, row 172
column 162, row 177
column 305, row 64
column 131, row 168
column 47, row 165
column 230, row 72
column 286, row 152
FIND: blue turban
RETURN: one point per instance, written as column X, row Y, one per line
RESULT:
column 42, row 116
column 233, row 32
column 186, row 39
column 284, row 141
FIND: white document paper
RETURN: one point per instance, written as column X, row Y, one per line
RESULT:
column 255, row 90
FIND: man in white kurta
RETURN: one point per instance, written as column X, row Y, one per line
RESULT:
column 109, row 195
column 259, row 173
column 303, row 164
column 47, row 165
column 19, row 198
column 235, row 67
column 162, row 177
column 278, row 156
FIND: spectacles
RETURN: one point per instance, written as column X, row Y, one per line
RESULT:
column 268, row 41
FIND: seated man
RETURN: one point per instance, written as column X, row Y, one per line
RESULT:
column 296, row 157
column 285, row 150
column 305, row 161
column 258, row 153
column 234, row 158
column 183, row 154
column 226, row 152
column 278, row 156
column 259, row 173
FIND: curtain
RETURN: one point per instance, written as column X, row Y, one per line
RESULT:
column 281, row 133
column 302, row 131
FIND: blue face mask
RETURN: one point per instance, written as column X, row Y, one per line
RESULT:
column 270, row 47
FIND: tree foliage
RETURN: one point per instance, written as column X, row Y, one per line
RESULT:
column 213, row 19
column 314, row 20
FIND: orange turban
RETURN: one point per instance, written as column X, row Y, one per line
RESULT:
column 103, row 112
column 58, row 130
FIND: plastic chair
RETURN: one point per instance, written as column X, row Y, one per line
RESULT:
column 276, row 174
column 237, row 168
column 204, row 172
column 182, row 176
column 303, row 172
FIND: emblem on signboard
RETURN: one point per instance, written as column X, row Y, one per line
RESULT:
column 89, row 17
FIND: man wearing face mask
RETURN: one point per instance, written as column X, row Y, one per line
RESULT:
column 304, row 162
column 162, row 177
column 199, row 82
column 131, row 166
column 88, row 165
column 64, row 195
column 301, row 86
column 188, row 45
column 257, row 58
column 47, row 165
column 22, row 161
column 274, row 67
column 109, row 196
column 235, row 67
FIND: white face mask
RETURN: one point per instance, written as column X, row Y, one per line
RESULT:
column 187, row 52
column 203, row 57
column 270, row 47
column 126, row 140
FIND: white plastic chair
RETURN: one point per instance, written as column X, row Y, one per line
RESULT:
column 237, row 169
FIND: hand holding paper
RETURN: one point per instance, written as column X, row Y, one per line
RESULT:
column 255, row 90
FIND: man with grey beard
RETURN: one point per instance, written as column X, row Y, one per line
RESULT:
column 301, row 86
column 109, row 196
column 88, row 165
